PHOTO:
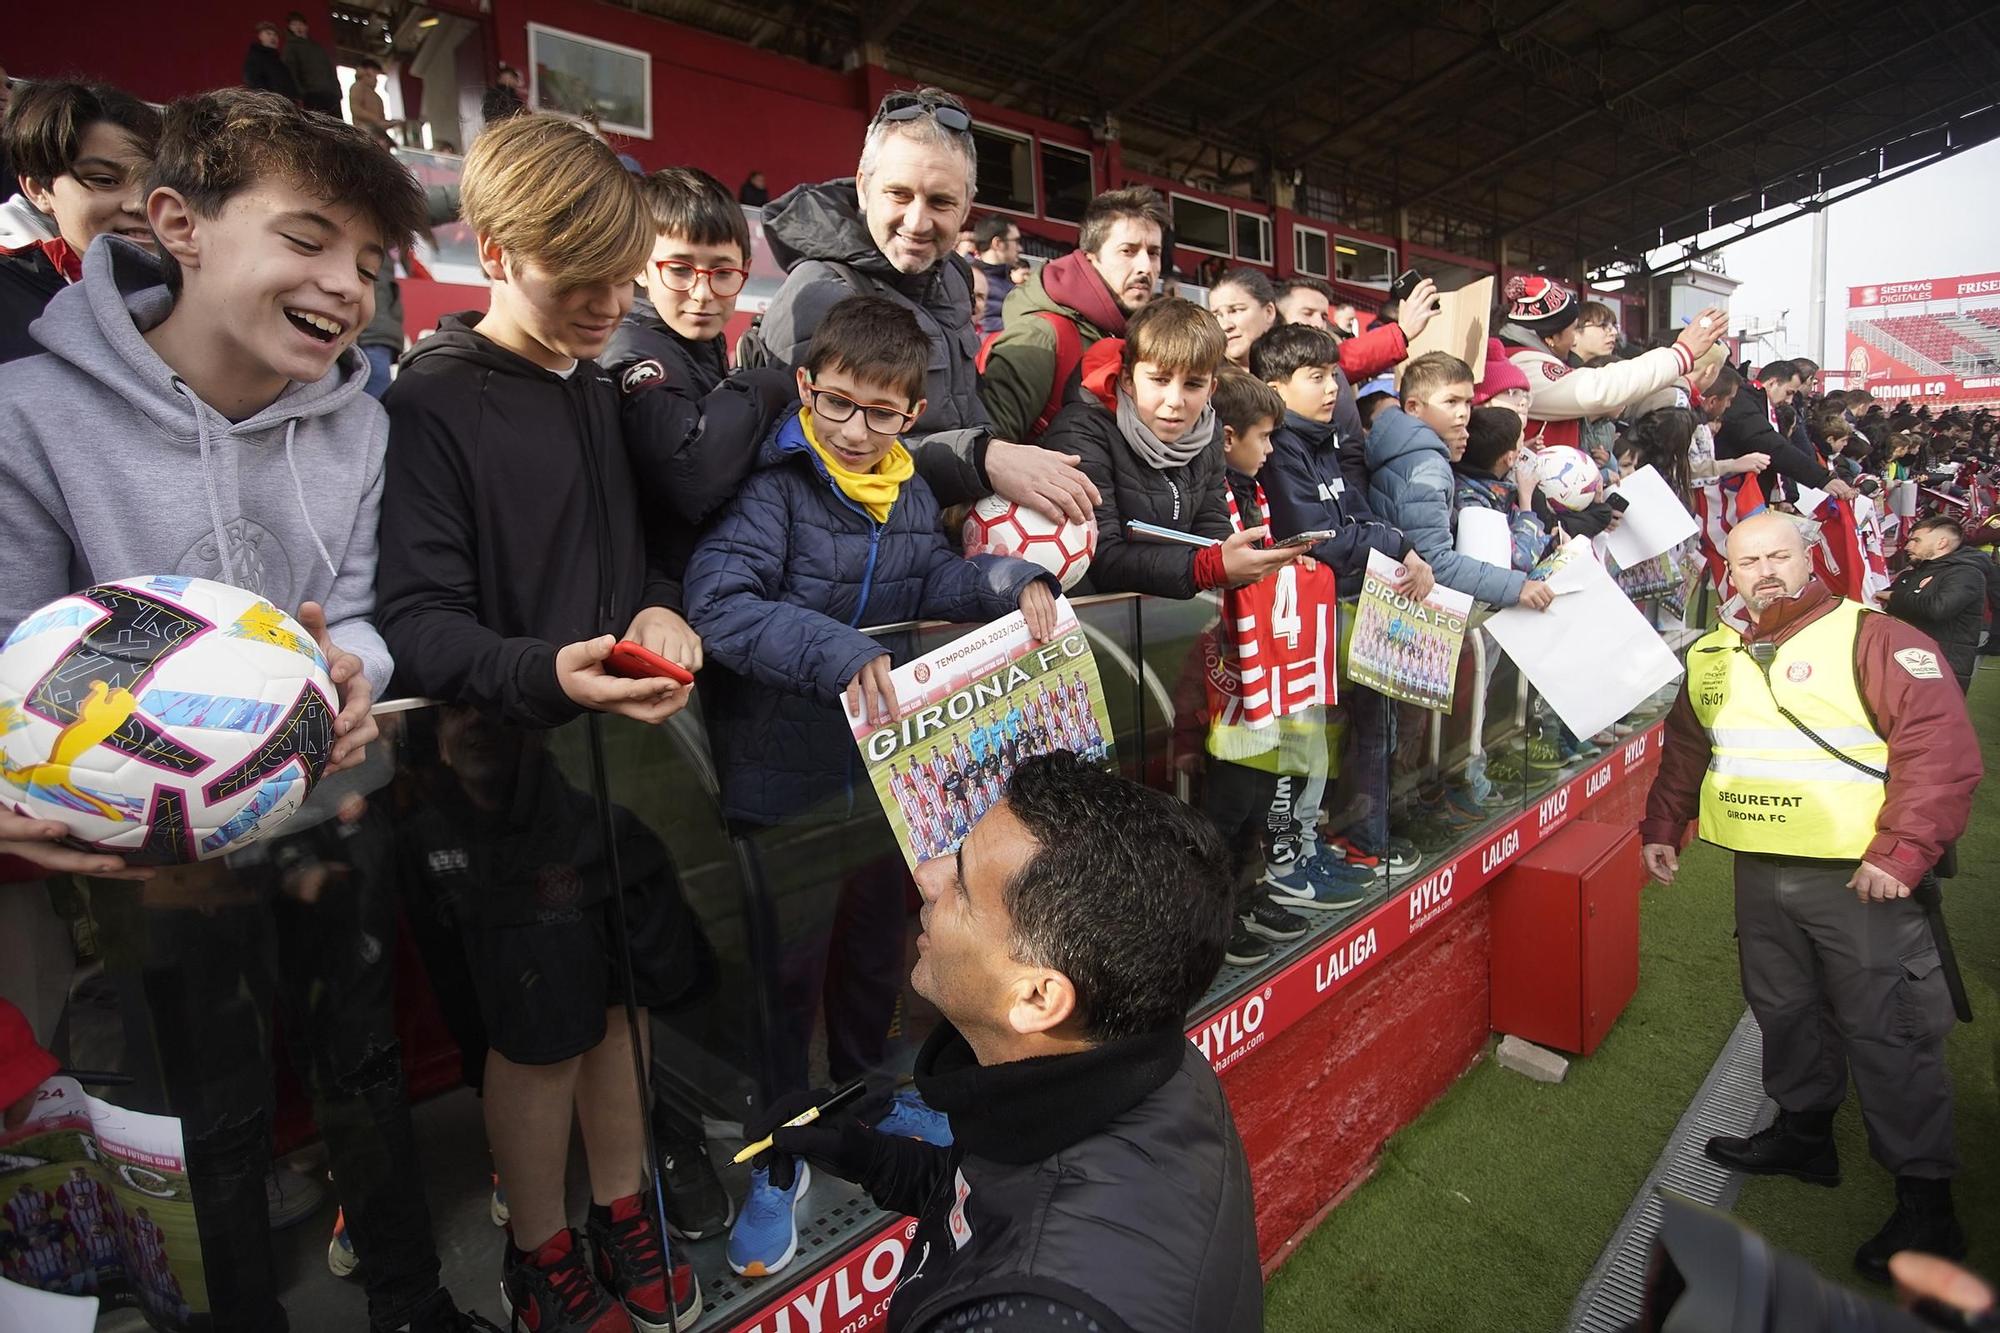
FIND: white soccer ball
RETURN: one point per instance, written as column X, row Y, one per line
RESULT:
column 998, row 526
column 1567, row 477
column 165, row 719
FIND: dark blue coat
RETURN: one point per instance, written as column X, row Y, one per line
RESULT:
column 778, row 587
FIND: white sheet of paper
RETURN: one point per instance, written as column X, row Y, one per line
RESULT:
column 1903, row 498
column 1655, row 519
column 1483, row 534
column 45, row 1311
column 1810, row 500
column 1591, row 654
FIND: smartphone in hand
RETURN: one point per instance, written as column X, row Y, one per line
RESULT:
column 633, row 661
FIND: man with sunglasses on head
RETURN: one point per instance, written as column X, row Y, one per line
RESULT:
column 889, row 232
column 690, row 426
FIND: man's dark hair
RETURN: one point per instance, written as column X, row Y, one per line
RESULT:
column 1368, row 404
column 1286, row 286
column 1129, row 895
column 1286, row 349
column 1107, row 210
column 1489, row 435
column 1940, row 523
column 1833, row 400
column 1389, row 311
column 690, row 203
column 1727, row 382
column 1806, row 365
column 46, row 123
column 992, row 228
column 874, row 339
column 1777, row 372
column 296, row 17
column 215, row 145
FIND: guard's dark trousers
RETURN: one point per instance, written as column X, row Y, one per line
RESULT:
column 1840, row 985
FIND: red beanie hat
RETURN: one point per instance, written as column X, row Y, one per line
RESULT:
column 23, row 1063
column 1541, row 304
column 1499, row 375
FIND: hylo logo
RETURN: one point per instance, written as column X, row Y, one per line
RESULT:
column 1554, row 808
column 1433, row 895
column 873, row 1274
column 1635, row 750
column 1231, row 1029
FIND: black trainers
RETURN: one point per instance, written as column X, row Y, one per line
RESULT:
column 1797, row 1145
column 1245, row 949
column 439, row 1315
column 1923, row 1221
column 697, row 1204
column 1273, row 922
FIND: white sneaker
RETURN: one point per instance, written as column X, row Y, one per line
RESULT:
column 290, row 1197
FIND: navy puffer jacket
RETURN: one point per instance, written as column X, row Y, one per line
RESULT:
column 778, row 587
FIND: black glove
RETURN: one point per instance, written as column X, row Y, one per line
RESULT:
column 838, row 1140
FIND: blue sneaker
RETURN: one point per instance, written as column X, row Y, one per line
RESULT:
column 1323, row 884
column 910, row 1118
column 766, row 1235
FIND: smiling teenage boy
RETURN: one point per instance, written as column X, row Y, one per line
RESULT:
column 224, row 371
column 80, row 151
column 513, row 558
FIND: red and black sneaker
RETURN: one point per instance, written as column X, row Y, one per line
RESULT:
column 631, row 1263
column 552, row 1291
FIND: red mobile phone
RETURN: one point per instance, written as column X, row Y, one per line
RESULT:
column 632, row 660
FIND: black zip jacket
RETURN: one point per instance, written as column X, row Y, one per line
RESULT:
column 1746, row 429
column 510, row 525
column 28, row 282
column 1946, row 599
column 1309, row 486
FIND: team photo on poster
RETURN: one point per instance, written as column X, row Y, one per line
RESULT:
column 1403, row 649
column 968, row 714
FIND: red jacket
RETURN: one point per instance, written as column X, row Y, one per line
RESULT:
column 1366, row 355
column 1934, row 763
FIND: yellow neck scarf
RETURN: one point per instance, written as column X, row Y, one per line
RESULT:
column 874, row 490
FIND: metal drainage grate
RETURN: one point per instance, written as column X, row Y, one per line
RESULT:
column 1730, row 1101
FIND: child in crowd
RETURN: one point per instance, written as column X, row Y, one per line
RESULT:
column 80, row 151
column 832, row 530
column 181, row 397
column 1308, row 490
column 1147, row 435
column 1259, row 764
column 1410, row 453
column 513, row 558
column 690, row 426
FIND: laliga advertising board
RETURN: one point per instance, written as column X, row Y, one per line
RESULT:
column 968, row 714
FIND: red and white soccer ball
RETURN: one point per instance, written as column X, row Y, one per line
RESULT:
column 998, row 526
column 1567, row 477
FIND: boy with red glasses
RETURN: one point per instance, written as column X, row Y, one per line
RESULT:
column 689, row 425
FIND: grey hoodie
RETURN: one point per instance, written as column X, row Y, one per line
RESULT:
column 112, row 467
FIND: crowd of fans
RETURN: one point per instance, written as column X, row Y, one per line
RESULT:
column 203, row 274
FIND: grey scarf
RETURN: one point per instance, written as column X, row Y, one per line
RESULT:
column 1151, row 448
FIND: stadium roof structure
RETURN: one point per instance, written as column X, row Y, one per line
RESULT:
column 1527, row 132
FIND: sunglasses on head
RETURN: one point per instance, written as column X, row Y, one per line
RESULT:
column 910, row 106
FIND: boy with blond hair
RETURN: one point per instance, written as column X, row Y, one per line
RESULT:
column 506, row 448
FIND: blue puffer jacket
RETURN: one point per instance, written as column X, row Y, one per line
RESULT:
column 1410, row 485
column 777, row 587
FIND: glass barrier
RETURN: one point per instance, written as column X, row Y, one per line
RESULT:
column 379, row 994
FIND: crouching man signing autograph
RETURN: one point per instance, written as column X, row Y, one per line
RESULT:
column 1095, row 1179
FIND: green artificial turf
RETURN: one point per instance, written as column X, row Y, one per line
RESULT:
column 1491, row 1209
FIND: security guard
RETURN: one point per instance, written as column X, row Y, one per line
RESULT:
column 1829, row 748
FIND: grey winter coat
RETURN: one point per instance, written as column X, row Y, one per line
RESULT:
column 1410, row 486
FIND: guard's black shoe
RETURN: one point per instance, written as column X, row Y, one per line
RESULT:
column 1798, row 1145
column 1923, row 1221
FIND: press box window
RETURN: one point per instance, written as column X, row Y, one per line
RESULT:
column 582, row 77
column 1253, row 237
column 1068, row 182
column 1363, row 262
column 1006, row 170
column 1309, row 251
column 1200, row 226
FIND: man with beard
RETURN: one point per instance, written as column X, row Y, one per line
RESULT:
column 1052, row 319
column 1829, row 748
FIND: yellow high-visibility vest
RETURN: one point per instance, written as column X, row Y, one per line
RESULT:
column 1769, row 788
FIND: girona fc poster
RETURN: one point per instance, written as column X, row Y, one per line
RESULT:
column 1404, row 649
column 968, row 714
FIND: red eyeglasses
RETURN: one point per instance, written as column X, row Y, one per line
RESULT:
column 680, row 277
